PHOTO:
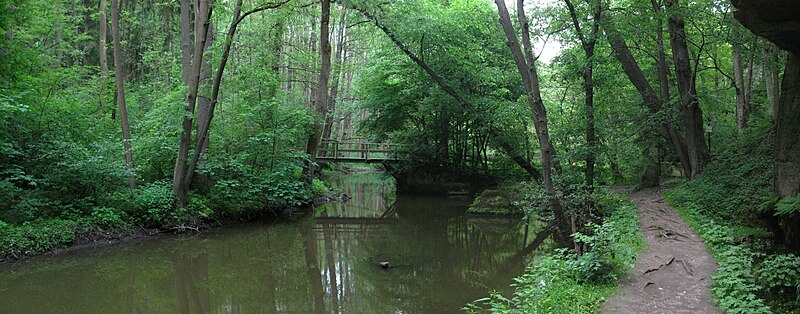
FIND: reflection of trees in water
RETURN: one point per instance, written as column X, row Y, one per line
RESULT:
column 371, row 196
column 191, row 282
column 443, row 260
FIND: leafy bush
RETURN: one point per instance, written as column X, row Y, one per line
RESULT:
column 781, row 272
column 106, row 218
column 32, row 238
column 157, row 203
column 318, row 187
column 732, row 186
column 561, row 282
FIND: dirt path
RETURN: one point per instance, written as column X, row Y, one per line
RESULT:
column 673, row 274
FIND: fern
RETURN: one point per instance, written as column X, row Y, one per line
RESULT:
column 789, row 205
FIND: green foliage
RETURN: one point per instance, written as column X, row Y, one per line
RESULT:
column 561, row 282
column 155, row 202
column 318, row 187
column 105, row 218
column 733, row 186
column 789, row 205
column 35, row 237
column 780, row 271
column 735, row 286
column 723, row 205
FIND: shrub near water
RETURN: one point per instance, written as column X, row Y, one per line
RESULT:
column 35, row 237
column 561, row 282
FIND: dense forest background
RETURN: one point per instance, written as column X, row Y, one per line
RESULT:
column 167, row 113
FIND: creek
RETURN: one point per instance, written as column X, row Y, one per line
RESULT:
column 326, row 262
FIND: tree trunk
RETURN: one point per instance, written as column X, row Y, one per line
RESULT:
column 651, row 100
column 180, row 175
column 166, row 15
column 103, row 54
column 661, row 57
column 526, row 65
column 186, row 41
column 738, row 78
column 693, row 114
column 337, row 73
column 321, row 99
column 588, row 45
column 771, row 79
column 120, row 86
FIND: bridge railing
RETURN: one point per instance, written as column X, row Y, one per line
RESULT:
column 357, row 151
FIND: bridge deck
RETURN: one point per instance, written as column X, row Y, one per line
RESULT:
column 357, row 151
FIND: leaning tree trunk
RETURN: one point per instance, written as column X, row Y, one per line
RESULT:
column 119, row 76
column 492, row 131
column 526, row 65
column 651, row 100
column 204, row 122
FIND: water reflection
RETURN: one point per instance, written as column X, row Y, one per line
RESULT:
column 325, row 264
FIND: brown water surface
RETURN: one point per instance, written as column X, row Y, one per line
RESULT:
column 323, row 264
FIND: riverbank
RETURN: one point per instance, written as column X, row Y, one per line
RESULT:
column 561, row 282
column 109, row 226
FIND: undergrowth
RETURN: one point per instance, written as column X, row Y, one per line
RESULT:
column 722, row 205
column 562, row 282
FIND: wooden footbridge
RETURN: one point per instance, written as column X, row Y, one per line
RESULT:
column 358, row 151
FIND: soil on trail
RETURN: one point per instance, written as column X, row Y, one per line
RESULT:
column 673, row 274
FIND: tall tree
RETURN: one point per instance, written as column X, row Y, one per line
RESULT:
column 526, row 65
column 180, row 178
column 204, row 122
column 689, row 103
column 651, row 100
column 771, row 56
column 588, row 42
column 321, row 97
column 186, row 40
column 742, row 97
column 340, row 57
column 119, row 77
column 103, row 54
